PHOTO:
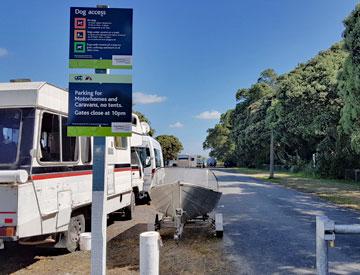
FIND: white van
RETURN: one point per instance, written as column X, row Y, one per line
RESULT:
column 154, row 165
column 46, row 176
column 150, row 153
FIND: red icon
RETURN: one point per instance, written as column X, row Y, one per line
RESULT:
column 80, row 23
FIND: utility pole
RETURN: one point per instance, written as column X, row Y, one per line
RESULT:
column 271, row 176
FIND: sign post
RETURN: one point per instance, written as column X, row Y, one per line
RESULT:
column 100, row 105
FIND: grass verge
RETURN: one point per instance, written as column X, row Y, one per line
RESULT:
column 342, row 192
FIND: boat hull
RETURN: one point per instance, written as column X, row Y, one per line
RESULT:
column 193, row 199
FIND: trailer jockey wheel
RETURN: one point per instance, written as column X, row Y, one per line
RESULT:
column 76, row 227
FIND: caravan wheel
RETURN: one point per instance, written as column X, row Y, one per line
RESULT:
column 76, row 227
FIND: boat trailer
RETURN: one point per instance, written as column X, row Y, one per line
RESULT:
column 179, row 221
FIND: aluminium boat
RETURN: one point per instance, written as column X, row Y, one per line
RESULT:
column 192, row 191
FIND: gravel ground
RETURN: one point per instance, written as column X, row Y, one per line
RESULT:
column 199, row 252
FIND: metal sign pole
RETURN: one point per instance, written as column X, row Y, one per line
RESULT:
column 98, row 209
column 99, row 194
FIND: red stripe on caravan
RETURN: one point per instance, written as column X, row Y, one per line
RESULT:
column 7, row 213
column 60, row 175
column 70, row 174
column 122, row 169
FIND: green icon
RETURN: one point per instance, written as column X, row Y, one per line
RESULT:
column 79, row 47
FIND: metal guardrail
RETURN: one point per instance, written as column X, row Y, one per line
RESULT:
column 326, row 230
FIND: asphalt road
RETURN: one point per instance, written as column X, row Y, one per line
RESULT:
column 269, row 229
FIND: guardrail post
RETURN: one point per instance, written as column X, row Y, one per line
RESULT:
column 321, row 248
column 324, row 232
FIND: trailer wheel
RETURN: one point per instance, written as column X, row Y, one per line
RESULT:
column 76, row 227
column 129, row 210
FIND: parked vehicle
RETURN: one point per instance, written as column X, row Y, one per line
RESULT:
column 186, row 161
column 200, row 162
column 211, row 162
column 150, row 153
column 46, row 176
column 154, row 168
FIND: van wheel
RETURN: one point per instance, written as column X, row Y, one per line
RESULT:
column 129, row 210
column 76, row 227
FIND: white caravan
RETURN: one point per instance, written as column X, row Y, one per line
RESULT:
column 45, row 176
column 187, row 161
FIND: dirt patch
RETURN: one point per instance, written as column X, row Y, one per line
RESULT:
column 198, row 252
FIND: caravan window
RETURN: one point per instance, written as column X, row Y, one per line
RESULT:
column 121, row 143
column 86, row 149
column 52, row 148
column 50, row 138
column 10, row 121
column 69, row 144
column 157, row 158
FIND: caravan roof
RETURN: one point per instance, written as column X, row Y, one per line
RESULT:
column 33, row 94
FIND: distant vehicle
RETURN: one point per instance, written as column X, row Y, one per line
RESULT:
column 211, row 162
column 172, row 163
column 186, row 161
column 46, row 176
column 200, row 162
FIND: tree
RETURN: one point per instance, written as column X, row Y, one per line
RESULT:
column 251, row 131
column 143, row 118
column 349, row 79
column 219, row 139
column 307, row 109
column 171, row 146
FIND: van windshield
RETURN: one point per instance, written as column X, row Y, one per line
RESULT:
column 10, row 120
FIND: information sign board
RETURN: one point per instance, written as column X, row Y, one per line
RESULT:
column 100, row 105
column 100, row 38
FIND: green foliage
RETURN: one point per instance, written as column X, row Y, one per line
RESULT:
column 143, row 118
column 170, row 145
column 251, row 130
column 307, row 109
column 218, row 139
column 349, row 79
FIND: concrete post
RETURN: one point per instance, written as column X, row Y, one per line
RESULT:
column 149, row 253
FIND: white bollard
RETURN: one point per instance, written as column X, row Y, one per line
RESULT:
column 149, row 253
column 85, row 241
